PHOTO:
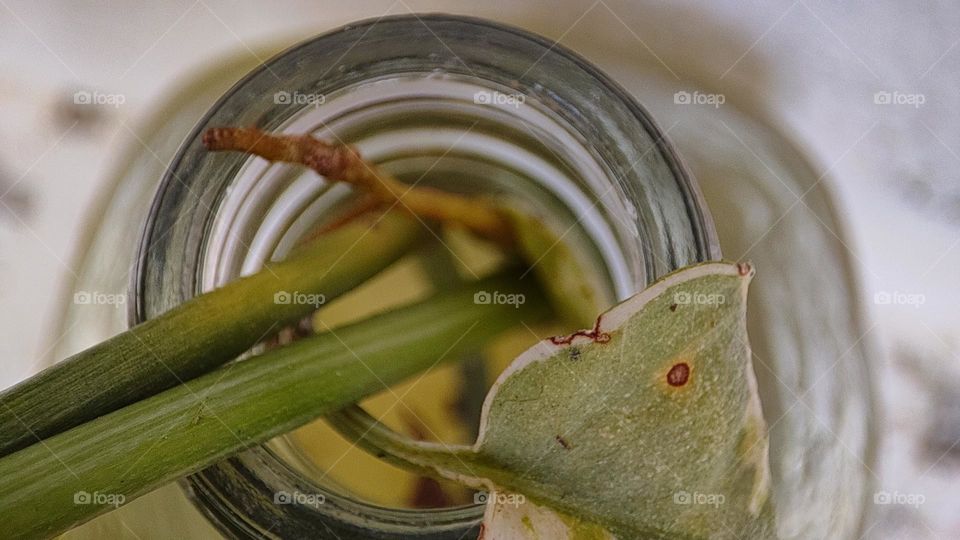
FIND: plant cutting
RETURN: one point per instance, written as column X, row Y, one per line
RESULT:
column 211, row 417
column 648, row 425
column 567, row 415
column 199, row 335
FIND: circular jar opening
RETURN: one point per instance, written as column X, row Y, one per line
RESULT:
column 460, row 104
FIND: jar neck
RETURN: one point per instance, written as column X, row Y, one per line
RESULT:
column 460, row 104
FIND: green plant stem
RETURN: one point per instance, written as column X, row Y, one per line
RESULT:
column 181, row 430
column 200, row 334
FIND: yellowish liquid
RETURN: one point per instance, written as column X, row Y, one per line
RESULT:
column 424, row 407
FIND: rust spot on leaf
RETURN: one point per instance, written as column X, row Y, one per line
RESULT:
column 679, row 374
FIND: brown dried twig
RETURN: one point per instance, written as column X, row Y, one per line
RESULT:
column 343, row 163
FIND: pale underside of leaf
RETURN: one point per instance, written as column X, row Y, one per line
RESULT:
column 646, row 426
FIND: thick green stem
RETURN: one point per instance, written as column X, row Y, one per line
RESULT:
column 202, row 333
column 44, row 489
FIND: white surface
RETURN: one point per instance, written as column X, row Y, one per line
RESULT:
column 814, row 66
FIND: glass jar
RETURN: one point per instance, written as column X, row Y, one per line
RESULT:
column 809, row 345
column 473, row 106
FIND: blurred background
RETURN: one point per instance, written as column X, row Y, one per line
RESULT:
column 867, row 90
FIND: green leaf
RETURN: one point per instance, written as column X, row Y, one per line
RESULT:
column 646, row 426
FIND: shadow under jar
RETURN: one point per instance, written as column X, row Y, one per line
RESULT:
column 461, row 104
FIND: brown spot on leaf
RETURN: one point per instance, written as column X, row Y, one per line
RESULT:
column 673, row 307
column 679, row 374
column 562, row 442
